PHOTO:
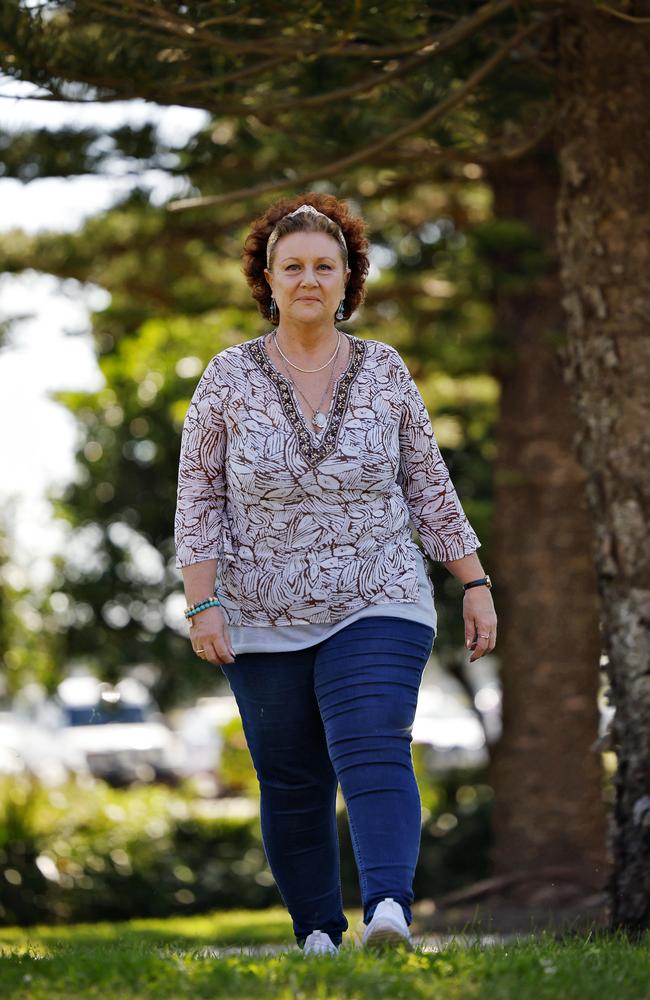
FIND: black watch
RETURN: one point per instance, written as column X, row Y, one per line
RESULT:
column 483, row 582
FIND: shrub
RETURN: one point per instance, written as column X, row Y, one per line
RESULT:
column 87, row 852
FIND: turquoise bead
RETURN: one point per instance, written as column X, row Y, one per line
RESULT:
column 208, row 603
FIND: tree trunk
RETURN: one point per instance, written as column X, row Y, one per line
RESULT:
column 549, row 807
column 603, row 138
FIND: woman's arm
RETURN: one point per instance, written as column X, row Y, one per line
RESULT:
column 437, row 513
column 201, row 496
column 198, row 580
column 424, row 478
column 200, row 512
column 465, row 569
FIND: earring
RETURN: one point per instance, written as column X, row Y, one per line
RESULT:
column 273, row 309
column 340, row 312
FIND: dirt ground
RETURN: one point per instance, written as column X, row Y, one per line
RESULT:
column 518, row 905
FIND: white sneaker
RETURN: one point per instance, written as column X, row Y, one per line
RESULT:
column 388, row 926
column 319, row 943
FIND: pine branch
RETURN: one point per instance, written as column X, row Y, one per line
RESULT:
column 196, row 93
column 435, row 46
column 605, row 9
column 364, row 154
column 143, row 14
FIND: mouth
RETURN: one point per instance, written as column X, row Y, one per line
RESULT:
column 308, row 298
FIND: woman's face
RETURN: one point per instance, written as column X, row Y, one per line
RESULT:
column 308, row 278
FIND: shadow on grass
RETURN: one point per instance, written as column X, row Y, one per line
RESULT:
column 223, row 927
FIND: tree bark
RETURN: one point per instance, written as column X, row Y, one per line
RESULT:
column 603, row 218
column 549, row 807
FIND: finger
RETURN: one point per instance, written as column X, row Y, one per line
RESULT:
column 212, row 653
column 216, row 649
column 481, row 643
column 227, row 643
column 224, row 648
column 205, row 650
column 472, row 629
column 221, row 651
column 226, row 655
column 491, row 633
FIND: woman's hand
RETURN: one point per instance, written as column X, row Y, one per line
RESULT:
column 480, row 621
column 209, row 633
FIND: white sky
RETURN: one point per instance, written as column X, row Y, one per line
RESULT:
column 51, row 348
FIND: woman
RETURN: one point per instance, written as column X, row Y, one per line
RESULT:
column 306, row 454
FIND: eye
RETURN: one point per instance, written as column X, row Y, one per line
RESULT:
column 328, row 266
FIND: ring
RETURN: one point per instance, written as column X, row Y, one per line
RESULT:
column 484, row 636
column 199, row 651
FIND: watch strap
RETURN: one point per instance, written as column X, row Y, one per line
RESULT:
column 483, row 582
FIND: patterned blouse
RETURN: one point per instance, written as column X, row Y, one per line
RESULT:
column 308, row 528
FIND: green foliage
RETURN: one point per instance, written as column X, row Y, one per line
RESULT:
column 510, row 256
column 291, row 89
column 86, row 851
column 72, row 152
column 30, row 639
column 236, row 771
column 89, row 852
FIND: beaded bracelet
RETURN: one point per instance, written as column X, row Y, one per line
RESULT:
column 209, row 602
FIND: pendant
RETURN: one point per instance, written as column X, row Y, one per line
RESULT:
column 319, row 419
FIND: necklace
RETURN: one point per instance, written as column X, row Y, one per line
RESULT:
column 338, row 344
column 319, row 419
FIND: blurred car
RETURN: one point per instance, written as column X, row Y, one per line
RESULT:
column 26, row 747
column 199, row 727
column 119, row 729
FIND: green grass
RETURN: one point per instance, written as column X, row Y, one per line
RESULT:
column 150, row 959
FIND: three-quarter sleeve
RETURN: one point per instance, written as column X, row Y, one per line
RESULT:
column 424, row 478
column 200, row 506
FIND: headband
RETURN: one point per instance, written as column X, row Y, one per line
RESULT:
column 275, row 236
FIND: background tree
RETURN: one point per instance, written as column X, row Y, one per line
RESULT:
column 32, row 623
column 546, row 811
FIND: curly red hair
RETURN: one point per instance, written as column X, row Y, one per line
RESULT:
column 352, row 227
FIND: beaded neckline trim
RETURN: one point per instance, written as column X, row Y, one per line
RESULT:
column 311, row 452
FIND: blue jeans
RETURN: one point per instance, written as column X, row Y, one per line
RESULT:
column 338, row 711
